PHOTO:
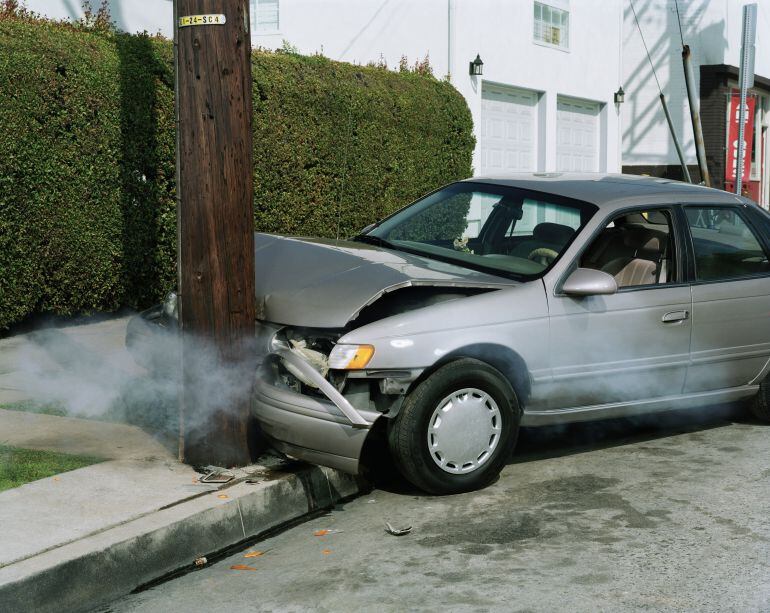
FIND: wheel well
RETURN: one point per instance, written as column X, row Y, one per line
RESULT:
column 510, row 364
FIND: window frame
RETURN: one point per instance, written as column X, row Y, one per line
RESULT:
column 740, row 211
column 255, row 30
column 677, row 233
column 543, row 43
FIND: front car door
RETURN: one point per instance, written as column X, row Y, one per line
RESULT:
column 616, row 350
column 731, row 296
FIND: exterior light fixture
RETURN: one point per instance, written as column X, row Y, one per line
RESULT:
column 476, row 67
column 620, row 96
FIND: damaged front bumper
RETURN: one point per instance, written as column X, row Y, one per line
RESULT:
column 322, row 428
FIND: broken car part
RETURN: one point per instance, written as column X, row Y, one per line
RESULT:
column 397, row 531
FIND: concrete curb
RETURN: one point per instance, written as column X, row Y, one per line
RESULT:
column 99, row 568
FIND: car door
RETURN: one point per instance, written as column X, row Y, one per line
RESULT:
column 632, row 345
column 731, row 297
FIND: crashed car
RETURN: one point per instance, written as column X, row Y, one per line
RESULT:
column 501, row 302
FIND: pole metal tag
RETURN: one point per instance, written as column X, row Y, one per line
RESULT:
column 202, row 20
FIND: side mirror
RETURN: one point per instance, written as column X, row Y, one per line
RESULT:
column 589, row 282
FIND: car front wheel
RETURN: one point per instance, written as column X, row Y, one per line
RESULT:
column 456, row 429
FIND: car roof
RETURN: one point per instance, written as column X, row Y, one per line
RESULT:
column 609, row 191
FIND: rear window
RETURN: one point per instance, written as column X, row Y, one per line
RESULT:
column 724, row 244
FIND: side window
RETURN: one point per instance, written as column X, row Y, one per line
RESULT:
column 725, row 247
column 636, row 248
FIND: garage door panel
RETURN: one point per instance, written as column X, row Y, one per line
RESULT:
column 578, row 136
column 507, row 130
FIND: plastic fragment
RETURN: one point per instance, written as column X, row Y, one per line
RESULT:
column 397, row 531
column 241, row 567
column 223, row 496
column 254, row 554
column 326, row 552
column 202, row 561
column 325, row 532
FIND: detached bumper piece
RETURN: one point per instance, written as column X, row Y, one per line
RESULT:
column 322, row 428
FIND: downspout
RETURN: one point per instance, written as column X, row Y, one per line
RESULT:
column 449, row 40
column 697, row 129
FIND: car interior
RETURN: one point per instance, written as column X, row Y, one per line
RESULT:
column 636, row 248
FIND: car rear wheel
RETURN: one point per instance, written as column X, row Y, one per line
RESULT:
column 760, row 406
column 456, row 429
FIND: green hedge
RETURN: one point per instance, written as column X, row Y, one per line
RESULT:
column 87, row 200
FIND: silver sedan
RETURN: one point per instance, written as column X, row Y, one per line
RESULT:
column 502, row 302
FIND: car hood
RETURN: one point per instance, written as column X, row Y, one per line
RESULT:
column 321, row 283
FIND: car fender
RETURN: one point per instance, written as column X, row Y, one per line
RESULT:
column 508, row 362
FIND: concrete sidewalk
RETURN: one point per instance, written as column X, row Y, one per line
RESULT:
column 82, row 538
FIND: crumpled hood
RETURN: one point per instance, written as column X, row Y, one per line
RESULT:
column 321, row 283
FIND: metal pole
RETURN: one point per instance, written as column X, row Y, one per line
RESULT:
column 677, row 146
column 697, row 129
column 746, row 80
column 217, row 311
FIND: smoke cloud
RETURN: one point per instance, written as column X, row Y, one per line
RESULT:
column 99, row 378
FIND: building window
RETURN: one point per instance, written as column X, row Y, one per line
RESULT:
column 265, row 16
column 551, row 25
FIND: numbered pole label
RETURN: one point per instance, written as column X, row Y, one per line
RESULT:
column 202, row 20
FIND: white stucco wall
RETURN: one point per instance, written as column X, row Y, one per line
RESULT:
column 130, row 15
column 712, row 28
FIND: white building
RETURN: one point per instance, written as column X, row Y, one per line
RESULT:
column 550, row 69
column 712, row 28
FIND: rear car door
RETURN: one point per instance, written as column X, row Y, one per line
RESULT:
column 731, row 296
column 632, row 345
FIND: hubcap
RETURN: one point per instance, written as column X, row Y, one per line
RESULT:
column 464, row 430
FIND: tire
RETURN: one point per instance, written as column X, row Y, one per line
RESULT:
column 760, row 405
column 417, row 441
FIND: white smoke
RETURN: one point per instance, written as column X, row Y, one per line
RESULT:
column 98, row 378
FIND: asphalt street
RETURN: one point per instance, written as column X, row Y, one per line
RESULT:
column 665, row 513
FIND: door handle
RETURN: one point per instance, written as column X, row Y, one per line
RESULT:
column 675, row 316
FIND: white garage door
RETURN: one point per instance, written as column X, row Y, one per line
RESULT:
column 508, row 130
column 577, row 141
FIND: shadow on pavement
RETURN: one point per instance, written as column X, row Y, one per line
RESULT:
column 569, row 439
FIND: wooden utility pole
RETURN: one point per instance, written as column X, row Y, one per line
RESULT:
column 215, row 227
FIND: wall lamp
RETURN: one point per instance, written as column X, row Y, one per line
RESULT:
column 620, row 96
column 476, row 67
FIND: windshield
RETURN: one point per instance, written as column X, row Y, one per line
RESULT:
column 504, row 230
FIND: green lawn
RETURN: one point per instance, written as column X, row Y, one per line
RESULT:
column 28, row 406
column 19, row 466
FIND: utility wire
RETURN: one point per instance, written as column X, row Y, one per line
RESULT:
column 652, row 66
column 679, row 21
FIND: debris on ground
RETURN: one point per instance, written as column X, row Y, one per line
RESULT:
column 223, row 496
column 325, row 532
column 217, row 476
column 202, row 561
column 397, row 531
column 241, row 567
column 254, row 554
column 326, row 552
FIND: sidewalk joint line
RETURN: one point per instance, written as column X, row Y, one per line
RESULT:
column 240, row 514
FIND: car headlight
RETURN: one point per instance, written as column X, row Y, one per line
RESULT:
column 350, row 357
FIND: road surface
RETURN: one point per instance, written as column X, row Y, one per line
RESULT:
column 657, row 514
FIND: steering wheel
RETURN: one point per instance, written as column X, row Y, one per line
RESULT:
column 543, row 255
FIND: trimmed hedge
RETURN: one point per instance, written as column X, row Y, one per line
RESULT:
column 87, row 199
